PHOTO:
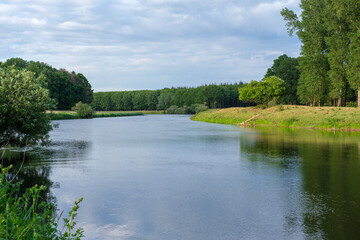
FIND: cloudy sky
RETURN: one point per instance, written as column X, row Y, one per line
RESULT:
column 149, row 44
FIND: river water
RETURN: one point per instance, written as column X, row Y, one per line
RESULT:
column 165, row 177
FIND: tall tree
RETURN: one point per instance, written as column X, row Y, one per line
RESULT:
column 286, row 68
column 23, row 102
column 314, row 66
column 335, row 16
column 330, row 62
column 353, row 66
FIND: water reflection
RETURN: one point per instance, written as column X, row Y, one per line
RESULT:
column 166, row 177
column 330, row 171
column 31, row 164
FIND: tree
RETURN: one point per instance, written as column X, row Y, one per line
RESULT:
column 338, row 47
column 65, row 87
column 165, row 100
column 83, row 110
column 329, row 32
column 286, row 68
column 23, row 102
column 353, row 66
column 312, row 31
column 262, row 92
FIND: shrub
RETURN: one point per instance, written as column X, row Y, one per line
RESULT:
column 27, row 216
column 351, row 104
column 175, row 110
column 23, row 105
column 83, row 110
column 201, row 108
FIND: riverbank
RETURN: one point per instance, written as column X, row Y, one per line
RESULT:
column 344, row 118
column 64, row 115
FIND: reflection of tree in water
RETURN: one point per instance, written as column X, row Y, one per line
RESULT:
column 37, row 164
column 330, row 170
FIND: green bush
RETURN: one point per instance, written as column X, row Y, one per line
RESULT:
column 195, row 108
column 27, row 216
column 83, row 110
column 23, row 105
column 200, row 108
column 175, row 110
column 351, row 104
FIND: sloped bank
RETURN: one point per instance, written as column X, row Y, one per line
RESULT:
column 347, row 119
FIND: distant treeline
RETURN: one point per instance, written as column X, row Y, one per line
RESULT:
column 66, row 88
column 213, row 96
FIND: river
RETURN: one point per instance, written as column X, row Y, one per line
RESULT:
column 162, row 177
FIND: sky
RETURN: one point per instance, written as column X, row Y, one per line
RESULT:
column 149, row 44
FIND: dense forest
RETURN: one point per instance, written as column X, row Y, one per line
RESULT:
column 330, row 53
column 212, row 96
column 66, row 88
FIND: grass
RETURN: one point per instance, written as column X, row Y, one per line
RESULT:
column 25, row 215
column 287, row 116
column 64, row 115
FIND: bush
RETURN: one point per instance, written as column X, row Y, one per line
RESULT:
column 351, row 104
column 195, row 108
column 263, row 92
column 27, row 216
column 83, row 110
column 23, row 105
column 175, row 110
column 200, row 108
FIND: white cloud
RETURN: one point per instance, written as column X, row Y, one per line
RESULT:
column 14, row 20
column 135, row 44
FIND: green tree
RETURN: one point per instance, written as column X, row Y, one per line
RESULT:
column 65, row 87
column 353, row 64
column 83, row 110
column 286, row 68
column 312, row 31
column 338, row 47
column 23, row 102
column 262, row 92
column 165, row 100
column 329, row 32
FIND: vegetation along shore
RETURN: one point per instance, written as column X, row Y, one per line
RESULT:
column 347, row 119
column 64, row 115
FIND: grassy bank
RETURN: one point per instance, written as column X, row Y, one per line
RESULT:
column 63, row 115
column 286, row 116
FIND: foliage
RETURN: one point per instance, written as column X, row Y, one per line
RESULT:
column 23, row 102
column 330, row 60
column 263, row 92
column 27, row 216
column 286, row 68
column 65, row 115
column 175, row 110
column 83, row 110
column 66, row 88
column 213, row 96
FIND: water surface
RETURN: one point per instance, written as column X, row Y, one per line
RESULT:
column 166, row 177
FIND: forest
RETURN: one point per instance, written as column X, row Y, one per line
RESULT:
column 329, row 62
column 65, row 88
column 212, row 96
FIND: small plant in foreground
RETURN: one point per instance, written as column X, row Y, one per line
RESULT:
column 27, row 216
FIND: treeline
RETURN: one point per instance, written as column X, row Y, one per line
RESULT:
column 66, row 88
column 330, row 53
column 212, row 96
